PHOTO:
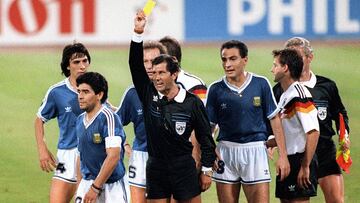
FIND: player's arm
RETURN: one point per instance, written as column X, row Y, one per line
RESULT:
column 46, row 158
column 78, row 170
column 136, row 56
column 207, row 144
column 282, row 164
column 303, row 178
column 336, row 107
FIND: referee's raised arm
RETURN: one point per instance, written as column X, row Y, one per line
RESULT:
column 136, row 55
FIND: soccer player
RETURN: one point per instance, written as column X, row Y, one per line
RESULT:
column 301, row 128
column 100, row 144
column 61, row 102
column 190, row 82
column 170, row 115
column 328, row 103
column 240, row 104
column 131, row 110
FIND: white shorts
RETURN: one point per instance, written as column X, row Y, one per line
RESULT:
column 66, row 165
column 112, row 192
column 244, row 163
column 137, row 169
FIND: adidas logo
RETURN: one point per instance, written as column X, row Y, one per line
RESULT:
column 291, row 188
column 68, row 109
column 139, row 112
column 155, row 98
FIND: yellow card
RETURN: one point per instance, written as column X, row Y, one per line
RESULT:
column 149, row 6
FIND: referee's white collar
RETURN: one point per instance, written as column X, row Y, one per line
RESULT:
column 310, row 83
column 180, row 97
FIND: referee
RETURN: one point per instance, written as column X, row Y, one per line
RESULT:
column 171, row 114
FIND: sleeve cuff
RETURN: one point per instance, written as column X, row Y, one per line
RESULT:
column 113, row 141
column 271, row 137
column 203, row 168
column 137, row 37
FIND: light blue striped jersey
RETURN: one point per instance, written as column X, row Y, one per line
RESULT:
column 61, row 102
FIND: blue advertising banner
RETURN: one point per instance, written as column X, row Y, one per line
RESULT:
column 271, row 19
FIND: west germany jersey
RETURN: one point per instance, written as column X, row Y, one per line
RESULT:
column 131, row 110
column 241, row 113
column 192, row 84
column 327, row 101
column 169, row 123
column 103, row 131
column 61, row 102
column 298, row 116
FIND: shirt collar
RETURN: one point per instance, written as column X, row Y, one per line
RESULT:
column 180, row 97
column 243, row 86
column 310, row 83
column 68, row 85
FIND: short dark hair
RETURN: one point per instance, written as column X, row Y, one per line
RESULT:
column 172, row 46
column 171, row 65
column 154, row 45
column 96, row 81
column 70, row 49
column 243, row 50
column 292, row 59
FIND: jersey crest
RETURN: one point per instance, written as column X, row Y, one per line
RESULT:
column 322, row 113
column 180, row 127
column 257, row 101
column 97, row 138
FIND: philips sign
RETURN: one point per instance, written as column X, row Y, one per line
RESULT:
column 272, row 19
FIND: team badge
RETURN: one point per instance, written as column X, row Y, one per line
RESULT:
column 257, row 101
column 97, row 138
column 180, row 127
column 322, row 113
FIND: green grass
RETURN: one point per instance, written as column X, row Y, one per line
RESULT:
column 26, row 76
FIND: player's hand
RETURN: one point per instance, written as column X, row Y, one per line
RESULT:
column 47, row 160
column 270, row 152
column 139, row 22
column 346, row 145
column 205, row 182
column 282, row 167
column 128, row 150
column 90, row 196
column 303, row 178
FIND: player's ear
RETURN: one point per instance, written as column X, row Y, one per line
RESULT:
column 100, row 95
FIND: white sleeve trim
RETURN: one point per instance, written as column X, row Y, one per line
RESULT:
column 113, row 141
column 137, row 37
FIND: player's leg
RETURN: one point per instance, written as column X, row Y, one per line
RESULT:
column 63, row 184
column 228, row 183
column 137, row 176
column 228, row 192
column 137, row 194
column 329, row 173
column 333, row 188
column 255, row 174
column 257, row 192
column 196, row 199
column 61, row 191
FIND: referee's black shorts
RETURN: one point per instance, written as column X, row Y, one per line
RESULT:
column 177, row 177
column 288, row 188
column 326, row 153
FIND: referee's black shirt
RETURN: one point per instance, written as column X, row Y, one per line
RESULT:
column 169, row 124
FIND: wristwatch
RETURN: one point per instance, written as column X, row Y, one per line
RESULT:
column 208, row 173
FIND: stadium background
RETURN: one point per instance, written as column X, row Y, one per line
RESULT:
column 33, row 32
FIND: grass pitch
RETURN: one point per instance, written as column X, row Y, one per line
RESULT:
column 25, row 77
